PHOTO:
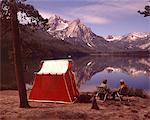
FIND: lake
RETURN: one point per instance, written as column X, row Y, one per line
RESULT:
column 90, row 71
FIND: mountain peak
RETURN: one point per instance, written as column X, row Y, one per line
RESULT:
column 113, row 37
column 55, row 23
column 77, row 21
column 138, row 34
column 134, row 36
column 71, row 29
column 55, row 16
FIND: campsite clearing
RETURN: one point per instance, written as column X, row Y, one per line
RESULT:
column 136, row 109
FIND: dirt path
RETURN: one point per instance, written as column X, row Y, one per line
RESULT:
column 136, row 109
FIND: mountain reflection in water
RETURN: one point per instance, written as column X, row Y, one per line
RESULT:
column 90, row 71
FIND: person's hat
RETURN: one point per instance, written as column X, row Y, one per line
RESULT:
column 105, row 81
column 121, row 81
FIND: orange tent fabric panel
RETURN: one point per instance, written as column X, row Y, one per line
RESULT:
column 76, row 92
column 70, row 88
column 71, row 84
column 51, row 88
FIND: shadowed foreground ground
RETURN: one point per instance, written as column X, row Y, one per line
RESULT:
column 136, row 109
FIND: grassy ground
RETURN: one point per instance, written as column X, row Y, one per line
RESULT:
column 136, row 109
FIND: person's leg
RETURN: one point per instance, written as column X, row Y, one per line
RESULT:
column 114, row 94
column 105, row 96
column 120, row 98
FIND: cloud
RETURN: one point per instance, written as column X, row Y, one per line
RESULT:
column 85, row 18
column 94, row 19
column 111, row 9
column 99, row 11
column 105, row 11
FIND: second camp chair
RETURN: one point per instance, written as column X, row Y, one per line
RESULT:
column 123, row 92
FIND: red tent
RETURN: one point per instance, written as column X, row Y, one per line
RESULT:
column 55, row 82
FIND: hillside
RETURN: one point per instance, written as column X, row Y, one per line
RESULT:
column 36, row 45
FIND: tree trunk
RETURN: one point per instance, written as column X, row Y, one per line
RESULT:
column 17, row 56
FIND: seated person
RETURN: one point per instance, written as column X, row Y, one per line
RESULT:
column 103, row 90
column 122, row 90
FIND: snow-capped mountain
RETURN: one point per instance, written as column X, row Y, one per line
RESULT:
column 136, row 35
column 129, row 37
column 113, row 37
column 78, row 34
column 55, row 23
column 73, row 32
column 137, row 40
column 132, row 41
column 70, row 29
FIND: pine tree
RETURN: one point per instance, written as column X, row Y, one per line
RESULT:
column 17, row 56
column 146, row 13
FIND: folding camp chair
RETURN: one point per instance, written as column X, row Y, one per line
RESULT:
column 102, row 93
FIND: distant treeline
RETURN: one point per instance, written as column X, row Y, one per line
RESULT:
column 125, row 54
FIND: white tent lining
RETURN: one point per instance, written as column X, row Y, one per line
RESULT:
column 54, row 67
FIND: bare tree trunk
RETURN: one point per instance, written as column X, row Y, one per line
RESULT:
column 17, row 56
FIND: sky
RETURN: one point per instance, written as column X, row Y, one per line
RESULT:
column 104, row 17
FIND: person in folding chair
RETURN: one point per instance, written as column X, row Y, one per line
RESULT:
column 102, row 90
column 121, row 91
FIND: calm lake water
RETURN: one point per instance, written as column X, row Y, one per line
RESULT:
column 90, row 71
